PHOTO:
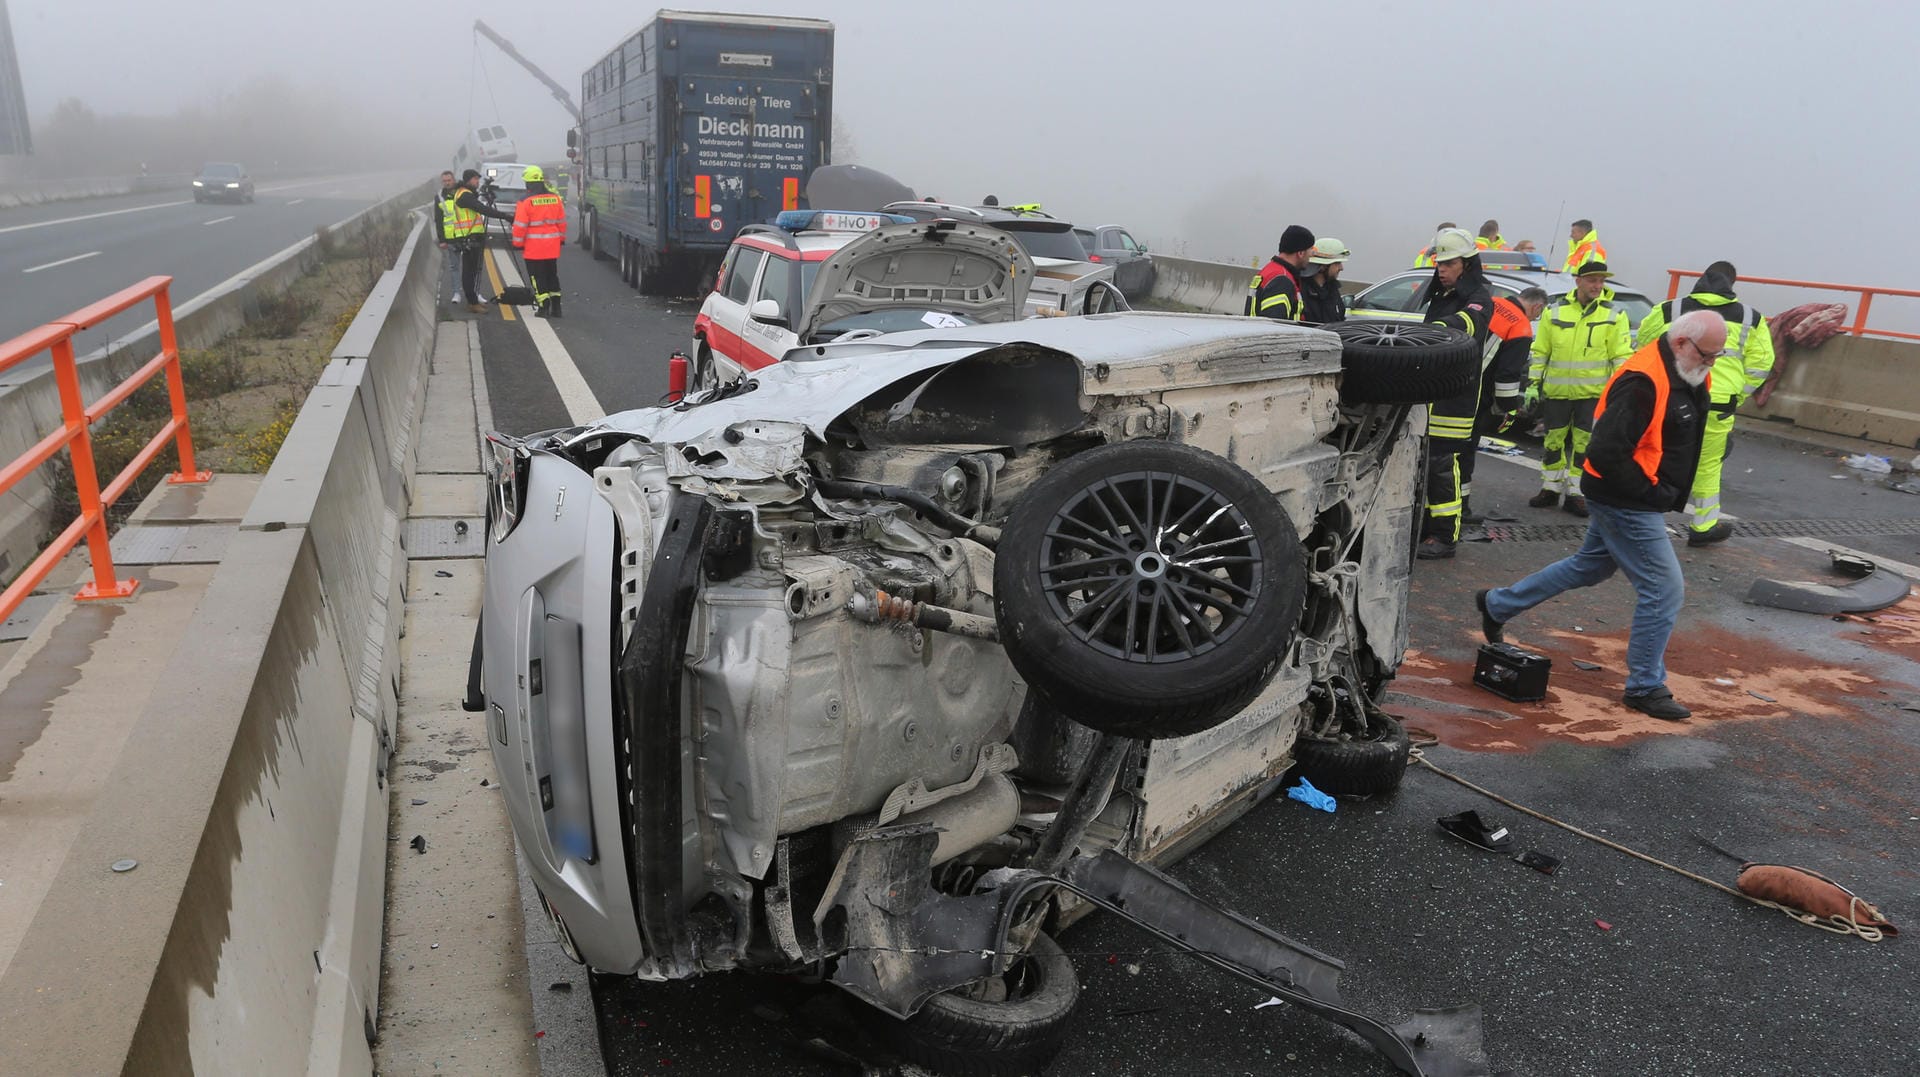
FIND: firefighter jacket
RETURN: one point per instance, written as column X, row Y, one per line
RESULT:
column 456, row 221
column 1587, row 250
column 540, row 225
column 1646, row 435
column 1511, row 341
column 1275, row 292
column 1577, row 348
column 1747, row 359
column 1320, row 300
column 1468, row 307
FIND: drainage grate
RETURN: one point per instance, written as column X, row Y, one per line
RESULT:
column 1762, row 528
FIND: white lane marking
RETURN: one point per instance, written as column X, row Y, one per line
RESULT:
column 575, row 394
column 1822, row 546
column 1523, row 461
column 91, row 216
column 217, row 220
column 295, row 201
column 61, row 262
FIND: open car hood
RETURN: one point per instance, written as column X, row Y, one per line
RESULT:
column 947, row 266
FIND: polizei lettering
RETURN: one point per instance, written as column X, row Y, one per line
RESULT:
column 712, row 125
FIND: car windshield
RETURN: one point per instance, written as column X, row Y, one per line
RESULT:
column 219, row 171
column 891, row 320
column 507, row 175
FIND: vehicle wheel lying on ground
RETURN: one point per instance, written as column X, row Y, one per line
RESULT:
column 1008, row 1025
column 1389, row 362
column 1148, row 589
column 1355, row 766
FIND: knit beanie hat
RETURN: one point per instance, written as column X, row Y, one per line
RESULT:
column 1295, row 239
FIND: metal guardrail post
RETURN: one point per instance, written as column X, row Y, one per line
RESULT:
column 86, row 480
column 177, row 394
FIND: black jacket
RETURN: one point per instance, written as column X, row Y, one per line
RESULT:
column 1467, row 306
column 1629, row 411
column 1320, row 300
column 1276, row 292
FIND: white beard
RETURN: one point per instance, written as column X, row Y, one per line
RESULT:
column 1692, row 375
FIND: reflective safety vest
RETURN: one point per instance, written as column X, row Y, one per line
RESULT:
column 1743, row 364
column 1424, row 259
column 540, row 225
column 1497, row 243
column 457, row 221
column 1647, row 452
column 1587, row 250
column 1575, row 351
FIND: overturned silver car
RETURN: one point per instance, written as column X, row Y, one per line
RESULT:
column 888, row 660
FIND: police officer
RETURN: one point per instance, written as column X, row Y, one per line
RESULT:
column 1577, row 349
column 1275, row 291
column 539, row 231
column 1459, row 299
column 1503, row 378
column 1743, row 365
column 466, row 227
column 1320, row 289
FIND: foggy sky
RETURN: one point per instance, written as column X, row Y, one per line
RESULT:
column 1778, row 135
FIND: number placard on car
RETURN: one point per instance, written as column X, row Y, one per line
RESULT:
column 850, row 222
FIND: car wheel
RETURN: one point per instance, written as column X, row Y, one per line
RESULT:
column 1394, row 362
column 626, row 266
column 1355, row 766
column 1008, row 1025
column 1148, row 589
column 705, row 373
column 587, row 222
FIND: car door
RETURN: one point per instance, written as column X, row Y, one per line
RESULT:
column 1402, row 297
column 767, row 340
column 1138, row 261
column 1106, row 243
column 727, row 312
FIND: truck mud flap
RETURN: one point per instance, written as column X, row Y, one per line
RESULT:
column 1442, row 1042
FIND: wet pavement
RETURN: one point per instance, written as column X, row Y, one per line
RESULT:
column 1803, row 756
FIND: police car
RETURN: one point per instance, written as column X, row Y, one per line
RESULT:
column 820, row 276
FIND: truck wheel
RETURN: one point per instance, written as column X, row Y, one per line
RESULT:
column 1356, row 766
column 1393, row 362
column 1148, row 589
column 1008, row 1026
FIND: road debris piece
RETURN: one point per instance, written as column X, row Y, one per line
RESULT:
column 1879, row 465
column 1306, row 794
column 1538, row 861
column 1762, row 696
column 1871, row 589
column 1588, row 666
column 1475, row 831
column 418, row 801
column 1603, row 925
column 1724, row 682
column 1816, row 899
column 419, row 843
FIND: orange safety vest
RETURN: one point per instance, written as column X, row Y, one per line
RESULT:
column 1647, row 453
column 1510, row 319
column 540, row 225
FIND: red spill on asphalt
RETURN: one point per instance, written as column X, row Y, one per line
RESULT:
column 1437, row 694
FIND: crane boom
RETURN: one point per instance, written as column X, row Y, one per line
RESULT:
column 560, row 93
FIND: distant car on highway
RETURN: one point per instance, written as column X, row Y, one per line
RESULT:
column 1110, row 244
column 223, row 181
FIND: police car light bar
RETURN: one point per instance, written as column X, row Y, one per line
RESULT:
column 824, row 220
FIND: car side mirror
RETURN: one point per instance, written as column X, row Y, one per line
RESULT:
column 766, row 310
column 1346, row 301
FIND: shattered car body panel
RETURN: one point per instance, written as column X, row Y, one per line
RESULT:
column 709, row 763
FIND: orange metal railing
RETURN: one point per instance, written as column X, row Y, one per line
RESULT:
column 77, row 418
column 1865, row 293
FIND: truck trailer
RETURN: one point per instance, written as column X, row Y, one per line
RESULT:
column 696, row 125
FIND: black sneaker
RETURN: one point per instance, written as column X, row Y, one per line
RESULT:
column 1576, row 505
column 1545, row 499
column 1434, row 548
column 1659, row 703
column 1490, row 628
column 1719, row 532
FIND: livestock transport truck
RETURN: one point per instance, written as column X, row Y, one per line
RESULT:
column 694, row 126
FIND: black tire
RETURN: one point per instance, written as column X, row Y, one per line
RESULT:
column 962, row 1035
column 1393, row 362
column 1106, row 670
column 705, row 374
column 1355, row 767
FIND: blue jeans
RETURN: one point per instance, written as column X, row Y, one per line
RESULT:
column 1637, row 544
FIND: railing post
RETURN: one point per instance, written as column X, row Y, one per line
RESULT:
column 1673, row 283
column 1860, row 319
column 177, row 393
column 86, row 481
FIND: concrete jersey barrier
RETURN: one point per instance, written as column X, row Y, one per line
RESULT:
column 253, row 785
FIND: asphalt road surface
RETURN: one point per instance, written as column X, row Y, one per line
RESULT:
column 1801, row 752
column 58, row 257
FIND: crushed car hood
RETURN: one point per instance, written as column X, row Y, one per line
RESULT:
column 948, row 266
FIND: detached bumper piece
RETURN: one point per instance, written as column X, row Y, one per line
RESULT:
column 899, row 942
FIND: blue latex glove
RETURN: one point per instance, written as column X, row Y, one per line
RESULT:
column 1306, row 794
